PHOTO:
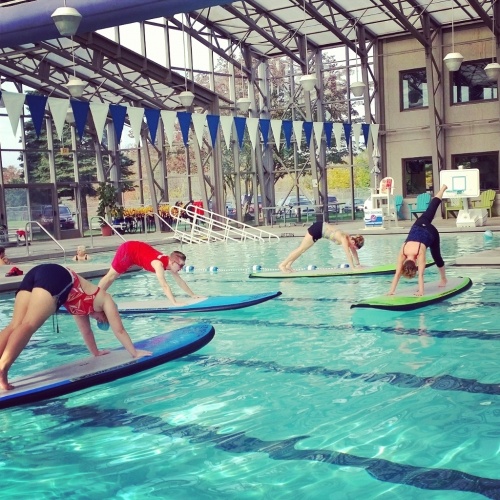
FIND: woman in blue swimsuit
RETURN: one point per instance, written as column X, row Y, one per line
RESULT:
column 422, row 235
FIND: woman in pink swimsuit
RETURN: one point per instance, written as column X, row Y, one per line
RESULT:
column 43, row 290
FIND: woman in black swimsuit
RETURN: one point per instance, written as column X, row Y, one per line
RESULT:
column 412, row 256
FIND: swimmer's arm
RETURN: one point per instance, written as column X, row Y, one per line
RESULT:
column 421, row 269
column 160, row 276
column 348, row 251
column 111, row 311
column 83, row 323
column 182, row 284
column 397, row 274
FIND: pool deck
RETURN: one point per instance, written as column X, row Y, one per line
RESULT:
column 42, row 251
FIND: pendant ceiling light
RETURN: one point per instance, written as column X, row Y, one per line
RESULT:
column 357, row 87
column 186, row 97
column 492, row 70
column 453, row 60
column 307, row 81
column 67, row 20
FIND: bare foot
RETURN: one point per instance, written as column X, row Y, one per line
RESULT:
column 442, row 283
column 4, row 383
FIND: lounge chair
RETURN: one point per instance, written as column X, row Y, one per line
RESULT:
column 398, row 202
column 454, row 205
column 487, row 198
column 423, row 201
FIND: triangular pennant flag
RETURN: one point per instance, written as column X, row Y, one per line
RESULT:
column 365, row 127
column 136, row 117
column 264, row 130
column 328, row 126
column 80, row 112
column 168, row 119
column 318, row 132
column 287, row 129
column 337, row 130
column 374, row 127
column 199, row 121
column 226, row 123
column 308, row 128
column 58, row 110
column 356, row 132
column 239, row 124
column 36, row 105
column 99, row 111
column 185, row 122
column 14, row 103
column 297, row 131
column 276, row 128
column 152, row 119
column 118, row 114
column 213, row 127
column 253, row 130
column 347, row 133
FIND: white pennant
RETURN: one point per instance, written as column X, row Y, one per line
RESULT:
column 226, row 124
column 253, row 130
column 374, row 132
column 199, row 122
column 99, row 112
column 58, row 109
column 356, row 131
column 297, row 130
column 318, row 132
column 14, row 103
column 337, row 130
column 136, row 117
column 168, row 118
column 276, row 129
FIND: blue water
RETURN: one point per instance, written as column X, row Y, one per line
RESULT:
column 299, row 397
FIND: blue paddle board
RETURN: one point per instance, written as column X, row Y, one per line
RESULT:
column 221, row 303
column 96, row 370
column 404, row 300
column 329, row 272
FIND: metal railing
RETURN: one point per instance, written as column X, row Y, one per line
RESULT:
column 101, row 220
column 27, row 232
column 203, row 226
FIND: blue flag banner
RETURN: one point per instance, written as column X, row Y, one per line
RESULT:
column 347, row 133
column 185, row 122
column 328, row 128
column 36, row 105
column 287, row 130
column 118, row 114
column 152, row 119
column 308, row 128
column 264, row 130
column 80, row 112
column 213, row 127
column 365, row 127
column 239, row 123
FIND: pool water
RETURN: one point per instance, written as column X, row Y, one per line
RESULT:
column 299, row 397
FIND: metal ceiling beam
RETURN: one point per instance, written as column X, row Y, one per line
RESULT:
column 488, row 21
column 403, row 20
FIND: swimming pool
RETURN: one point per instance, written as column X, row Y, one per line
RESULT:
column 300, row 396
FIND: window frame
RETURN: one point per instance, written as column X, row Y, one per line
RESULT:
column 427, row 160
column 492, row 84
column 459, row 159
column 424, row 91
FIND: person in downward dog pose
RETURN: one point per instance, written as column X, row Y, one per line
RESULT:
column 43, row 290
column 143, row 255
column 350, row 244
column 412, row 256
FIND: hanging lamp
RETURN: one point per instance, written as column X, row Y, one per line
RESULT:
column 453, row 60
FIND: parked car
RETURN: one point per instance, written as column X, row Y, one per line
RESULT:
column 359, row 205
column 332, row 204
column 291, row 205
column 66, row 220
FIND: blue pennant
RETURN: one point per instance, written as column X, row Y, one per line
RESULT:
column 152, row 119
column 328, row 126
column 287, row 130
column 36, row 105
column 239, row 123
column 185, row 122
column 80, row 112
column 264, row 129
column 118, row 114
column 213, row 127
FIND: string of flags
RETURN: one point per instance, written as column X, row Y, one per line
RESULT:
column 202, row 123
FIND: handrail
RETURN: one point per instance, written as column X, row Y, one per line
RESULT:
column 46, row 232
column 102, row 219
column 216, row 227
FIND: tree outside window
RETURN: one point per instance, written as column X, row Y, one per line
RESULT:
column 417, row 176
column 413, row 89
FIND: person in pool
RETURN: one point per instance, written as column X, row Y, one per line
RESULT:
column 143, row 255
column 43, row 290
column 81, row 254
column 412, row 256
column 350, row 244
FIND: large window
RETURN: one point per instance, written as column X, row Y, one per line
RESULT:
column 413, row 85
column 487, row 163
column 417, row 176
column 470, row 83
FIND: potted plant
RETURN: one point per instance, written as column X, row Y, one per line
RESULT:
column 106, row 194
